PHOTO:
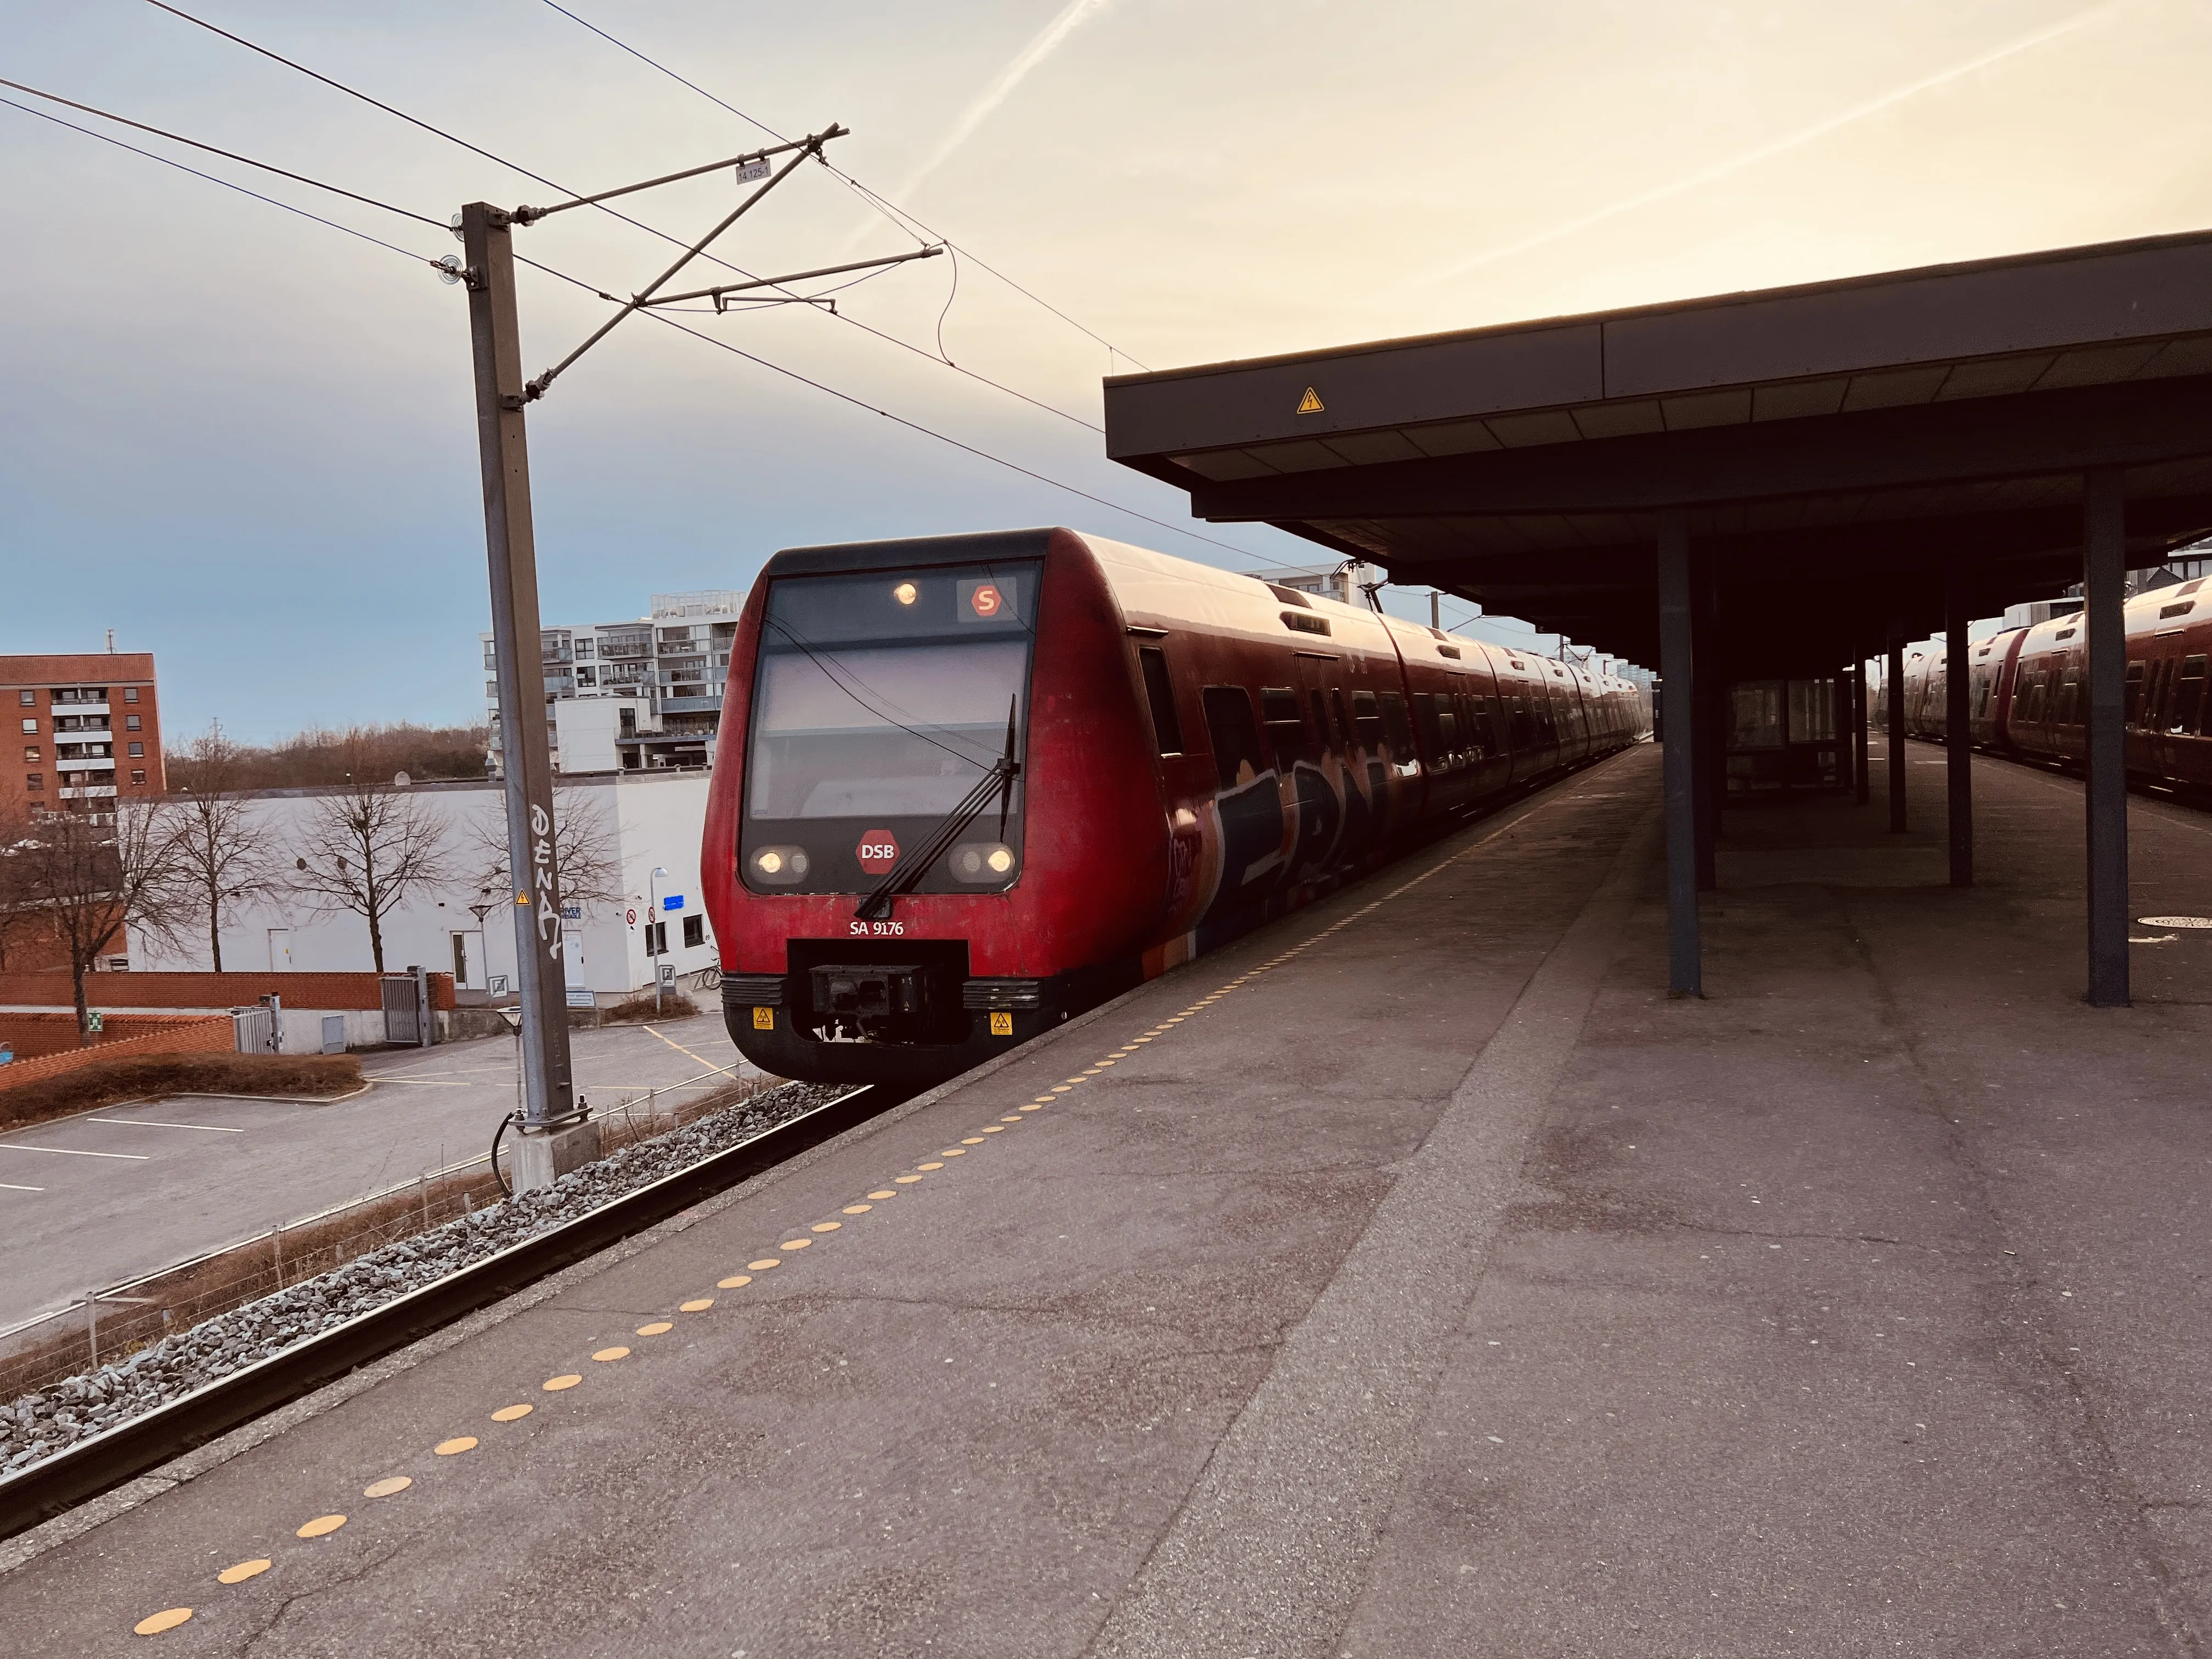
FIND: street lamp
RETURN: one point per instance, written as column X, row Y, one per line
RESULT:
column 653, row 921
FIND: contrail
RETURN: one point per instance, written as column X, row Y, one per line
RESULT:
column 1765, row 152
column 1077, row 13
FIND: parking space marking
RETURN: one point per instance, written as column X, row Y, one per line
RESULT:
column 72, row 1152
column 10, row 1187
column 150, row 1123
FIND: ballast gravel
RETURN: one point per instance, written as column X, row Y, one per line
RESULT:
column 37, row 1425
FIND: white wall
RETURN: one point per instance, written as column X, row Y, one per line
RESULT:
column 656, row 819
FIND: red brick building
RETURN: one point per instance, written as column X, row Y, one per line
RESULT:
column 79, row 729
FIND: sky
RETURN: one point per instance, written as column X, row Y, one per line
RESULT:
column 245, row 441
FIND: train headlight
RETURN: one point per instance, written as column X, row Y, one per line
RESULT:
column 980, row 862
column 779, row 866
column 906, row 592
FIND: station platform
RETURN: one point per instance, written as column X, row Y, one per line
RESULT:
column 1412, row 1277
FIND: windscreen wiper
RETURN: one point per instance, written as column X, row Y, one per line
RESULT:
column 999, row 781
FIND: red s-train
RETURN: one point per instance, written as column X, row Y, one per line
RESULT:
column 2028, row 690
column 970, row 785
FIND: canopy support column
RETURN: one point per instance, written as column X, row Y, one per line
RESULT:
column 1862, row 779
column 2104, row 578
column 1713, row 727
column 1679, row 719
column 1958, row 741
column 1894, row 700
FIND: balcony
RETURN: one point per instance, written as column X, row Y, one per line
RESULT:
column 87, row 763
column 690, row 705
column 89, row 791
column 78, row 710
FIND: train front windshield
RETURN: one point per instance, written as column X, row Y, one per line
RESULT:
column 880, row 702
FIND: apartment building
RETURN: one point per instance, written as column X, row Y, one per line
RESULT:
column 641, row 695
column 85, row 729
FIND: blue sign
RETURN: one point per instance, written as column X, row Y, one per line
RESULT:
column 672, row 901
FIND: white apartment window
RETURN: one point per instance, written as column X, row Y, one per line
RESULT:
column 138, row 751
column 28, row 699
column 30, row 726
column 131, row 722
column 137, row 777
column 130, row 694
column 583, row 647
column 30, row 751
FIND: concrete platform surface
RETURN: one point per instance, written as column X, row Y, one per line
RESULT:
column 1412, row 1278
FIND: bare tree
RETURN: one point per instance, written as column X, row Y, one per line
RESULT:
column 21, row 921
column 89, row 873
column 367, row 849
column 219, row 850
column 586, row 852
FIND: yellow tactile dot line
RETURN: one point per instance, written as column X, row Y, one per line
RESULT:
column 764, row 1264
column 952, row 1152
column 171, row 1617
column 697, row 1304
column 456, row 1446
column 795, row 1244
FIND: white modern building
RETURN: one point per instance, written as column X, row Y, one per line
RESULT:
column 644, row 695
column 464, row 924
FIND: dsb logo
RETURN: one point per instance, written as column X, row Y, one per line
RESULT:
column 878, row 851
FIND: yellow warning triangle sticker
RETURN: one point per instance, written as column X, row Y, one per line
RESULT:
column 1310, row 403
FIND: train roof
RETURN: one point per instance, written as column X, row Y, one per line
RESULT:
column 1155, row 588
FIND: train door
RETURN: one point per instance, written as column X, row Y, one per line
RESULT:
column 1248, row 800
column 2187, row 760
column 1310, row 800
column 1320, row 674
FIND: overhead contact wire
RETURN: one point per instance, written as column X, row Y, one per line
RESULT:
column 227, row 184
column 639, row 224
column 898, row 216
column 212, row 150
column 793, row 375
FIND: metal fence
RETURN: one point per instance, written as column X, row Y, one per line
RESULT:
column 110, row 1324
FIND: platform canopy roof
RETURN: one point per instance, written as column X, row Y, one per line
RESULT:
column 1842, row 453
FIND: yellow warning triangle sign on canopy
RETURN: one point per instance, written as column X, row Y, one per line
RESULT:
column 1310, row 403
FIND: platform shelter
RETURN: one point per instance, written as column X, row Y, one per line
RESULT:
column 1781, row 483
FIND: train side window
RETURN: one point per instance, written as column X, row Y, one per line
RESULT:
column 1322, row 736
column 1286, row 724
column 2134, row 705
column 2188, row 699
column 1424, row 721
column 1159, row 694
column 1236, row 734
column 1400, row 729
column 1367, row 720
column 1447, row 736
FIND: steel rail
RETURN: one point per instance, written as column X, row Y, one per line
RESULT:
column 101, row 1462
